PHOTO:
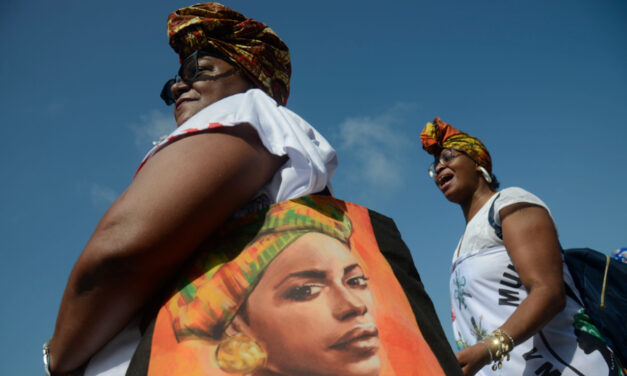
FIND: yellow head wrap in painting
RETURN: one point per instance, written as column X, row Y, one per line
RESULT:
column 226, row 272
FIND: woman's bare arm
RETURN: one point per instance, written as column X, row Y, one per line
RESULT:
column 178, row 198
column 531, row 241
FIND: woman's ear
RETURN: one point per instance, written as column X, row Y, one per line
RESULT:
column 239, row 352
column 238, row 326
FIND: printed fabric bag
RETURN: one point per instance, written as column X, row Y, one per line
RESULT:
column 311, row 286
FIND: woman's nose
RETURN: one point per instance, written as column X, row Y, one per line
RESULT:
column 347, row 304
column 439, row 166
column 179, row 88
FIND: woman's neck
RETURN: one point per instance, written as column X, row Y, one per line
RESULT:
column 479, row 197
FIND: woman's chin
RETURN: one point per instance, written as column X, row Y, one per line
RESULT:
column 181, row 118
column 448, row 192
column 185, row 110
column 452, row 196
column 367, row 367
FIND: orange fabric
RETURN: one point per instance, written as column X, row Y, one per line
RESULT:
column 404, row 351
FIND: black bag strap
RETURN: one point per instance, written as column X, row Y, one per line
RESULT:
column 324, row 192
column 498, row 230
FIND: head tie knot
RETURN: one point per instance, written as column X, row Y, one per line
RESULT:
column 251, row 45
column 440, row 135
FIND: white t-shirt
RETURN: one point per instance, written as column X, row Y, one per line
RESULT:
column 477, row 235
column 309, row 168
column 486, row 289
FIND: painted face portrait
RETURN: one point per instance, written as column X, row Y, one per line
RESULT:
column 313, row 311
column 301, row 288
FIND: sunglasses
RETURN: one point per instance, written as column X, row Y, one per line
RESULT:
column 190, row 72
column 445, row 157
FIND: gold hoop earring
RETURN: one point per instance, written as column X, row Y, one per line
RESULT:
column 240, row 354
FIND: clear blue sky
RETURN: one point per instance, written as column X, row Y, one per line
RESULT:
column 543, row 84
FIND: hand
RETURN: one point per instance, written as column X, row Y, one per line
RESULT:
column 473, row 358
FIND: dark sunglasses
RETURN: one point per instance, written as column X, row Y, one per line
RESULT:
column 190, row 72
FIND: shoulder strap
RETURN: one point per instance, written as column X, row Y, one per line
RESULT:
column 497, row 228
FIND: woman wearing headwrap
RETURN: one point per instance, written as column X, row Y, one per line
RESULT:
column 293, row 301
column 236, row 149
column 514, row 306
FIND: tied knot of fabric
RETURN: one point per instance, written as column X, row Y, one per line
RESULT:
column 249, row 44
column 438, row 135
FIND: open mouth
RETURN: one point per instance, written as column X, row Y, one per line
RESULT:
column 444, row 178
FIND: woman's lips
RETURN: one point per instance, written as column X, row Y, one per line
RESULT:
column 362, row 339
column 444, row 180
column 445, row 186
column 180, row 102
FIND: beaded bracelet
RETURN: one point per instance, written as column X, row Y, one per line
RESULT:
column 502, row 332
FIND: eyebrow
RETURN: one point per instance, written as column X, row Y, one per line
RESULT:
column 316, row 274
column 350, row 268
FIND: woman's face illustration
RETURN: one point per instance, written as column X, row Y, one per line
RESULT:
column 313, row 311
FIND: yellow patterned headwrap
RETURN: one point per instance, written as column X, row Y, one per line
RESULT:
column 249, row 44
column 440, row 135
column 221, row 279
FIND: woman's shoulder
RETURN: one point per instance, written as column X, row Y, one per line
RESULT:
column 514, row 195
column 514, row 191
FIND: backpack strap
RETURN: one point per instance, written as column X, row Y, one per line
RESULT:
column 570, row 292
column 498, row 230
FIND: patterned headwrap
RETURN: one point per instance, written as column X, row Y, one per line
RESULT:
column 247, row 43
column 224, row 277
column 440, row 135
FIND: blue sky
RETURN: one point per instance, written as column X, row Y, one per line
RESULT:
column 543, row 84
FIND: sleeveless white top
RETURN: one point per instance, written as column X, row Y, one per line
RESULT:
column 485, row 290
column 309, row 168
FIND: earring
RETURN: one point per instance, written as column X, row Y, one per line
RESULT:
column 485, row 174
column 240, row 354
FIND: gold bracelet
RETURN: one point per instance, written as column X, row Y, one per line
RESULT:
column 511, row 340
column 496, row 340
column 489, row 350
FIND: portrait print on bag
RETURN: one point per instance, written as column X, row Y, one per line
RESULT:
column 300, row 288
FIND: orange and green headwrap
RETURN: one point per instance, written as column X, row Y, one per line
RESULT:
column 440, row 135
column 223, row 278
column 249, row 44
